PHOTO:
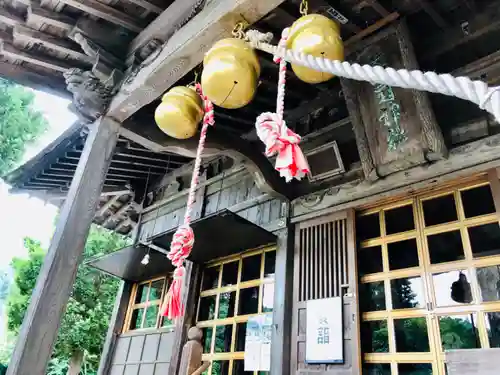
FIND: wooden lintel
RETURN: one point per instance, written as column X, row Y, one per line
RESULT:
column 105, row 12
column 30, row 78
column 184, row 51
column 472, row 158
column 9, row 51
column 9, row 18
column 24, row 34
column 38, row 15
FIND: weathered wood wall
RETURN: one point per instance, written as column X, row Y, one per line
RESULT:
column 234, row 190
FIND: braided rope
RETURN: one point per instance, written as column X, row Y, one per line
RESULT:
column 478, row 92
column 183, row 238
column 278, row 138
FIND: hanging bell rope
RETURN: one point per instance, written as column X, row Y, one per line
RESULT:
column 183, row 239
column 278, row 138
column 478, row 92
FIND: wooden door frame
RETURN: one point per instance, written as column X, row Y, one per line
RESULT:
column 355, row 347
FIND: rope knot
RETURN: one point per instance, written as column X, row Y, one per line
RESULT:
column 181, row 246
column 278, row 139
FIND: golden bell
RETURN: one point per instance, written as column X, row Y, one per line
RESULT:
column 180, row 112
column 318, row 36
column 230, row 73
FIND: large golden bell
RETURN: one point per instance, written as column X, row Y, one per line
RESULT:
column 230, row 73
column 318, row 36
column 180, row 112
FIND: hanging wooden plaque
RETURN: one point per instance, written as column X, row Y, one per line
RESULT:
column 395, row 128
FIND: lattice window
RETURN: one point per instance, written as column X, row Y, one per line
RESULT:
column 323, row 260
column 430, row 279
column 233, row 290
column 145, row 303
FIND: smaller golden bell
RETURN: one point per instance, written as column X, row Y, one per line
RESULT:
column 180, row 112
column 318, row 36
column 230, row 73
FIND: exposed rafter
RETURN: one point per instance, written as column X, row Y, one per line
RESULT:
column 25, row 34
column 9, row 18
column 38, row 15
column 10, row 51
column 105, row 12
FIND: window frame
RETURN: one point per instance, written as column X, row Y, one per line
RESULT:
column 236, row 319
column 132, row 306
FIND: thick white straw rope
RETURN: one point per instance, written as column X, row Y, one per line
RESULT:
column 478, row 92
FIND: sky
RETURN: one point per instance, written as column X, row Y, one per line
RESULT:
column 22, row 216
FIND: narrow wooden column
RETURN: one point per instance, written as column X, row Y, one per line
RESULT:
column 115, row 326
column 282, row 306
column 48, row 302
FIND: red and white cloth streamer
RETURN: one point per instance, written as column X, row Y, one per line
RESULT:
column 183, row 239
column 278, row 138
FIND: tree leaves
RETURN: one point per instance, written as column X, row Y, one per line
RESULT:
column 20, row 123
column 89, row 308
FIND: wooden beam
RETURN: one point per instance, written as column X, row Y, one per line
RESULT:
column 433, row 13
column 24, row 34
column 454, row 36
column 149, row 6
column 27, row 77
column 370, row 30
column 488, row 66
column 185, row 50
column 218, row 143
column 165, row 25
column 9, row 51
column 105, row 12
column 54, row 284
column 9, row 18
column 472, row 158
column 117, row 214
column 37, row 15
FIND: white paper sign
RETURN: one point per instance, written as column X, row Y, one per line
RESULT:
column 258, row 343
column 325, row 333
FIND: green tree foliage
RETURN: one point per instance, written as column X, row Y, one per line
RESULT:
column 87, row 315
column 20, row 123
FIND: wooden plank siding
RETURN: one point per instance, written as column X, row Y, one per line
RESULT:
column 237, row 192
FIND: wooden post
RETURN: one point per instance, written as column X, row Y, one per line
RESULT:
column 115, row 326
column 55, row 281
column 282, row 306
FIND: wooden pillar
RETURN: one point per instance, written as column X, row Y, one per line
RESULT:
column 115, row 326
column 50, row 296
column 282, row 306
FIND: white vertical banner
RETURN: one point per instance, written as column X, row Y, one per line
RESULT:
column 325, row 333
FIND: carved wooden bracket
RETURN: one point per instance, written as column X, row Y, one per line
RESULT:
column 395, row 129
column 219, row 142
